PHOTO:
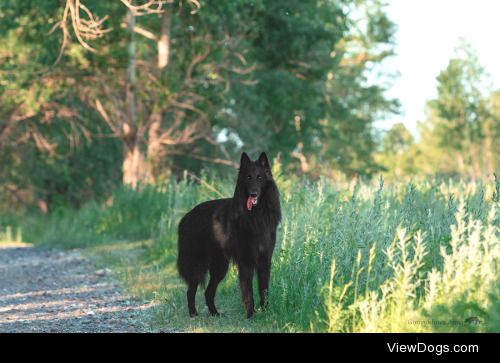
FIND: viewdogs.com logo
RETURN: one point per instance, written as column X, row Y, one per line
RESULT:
column 437, row 349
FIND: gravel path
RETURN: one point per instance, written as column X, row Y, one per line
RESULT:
column 53, row 291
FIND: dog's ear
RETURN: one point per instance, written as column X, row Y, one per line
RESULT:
column 262, row 161
column 244, row 159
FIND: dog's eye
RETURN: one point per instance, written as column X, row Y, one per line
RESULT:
column 249, row 177
column 259, row 177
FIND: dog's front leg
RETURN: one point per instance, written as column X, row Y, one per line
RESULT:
column 246, row 278
column 263, row 273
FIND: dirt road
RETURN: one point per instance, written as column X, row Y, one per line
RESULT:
column 54, row 291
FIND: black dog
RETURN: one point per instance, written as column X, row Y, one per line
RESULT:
column 242, row 228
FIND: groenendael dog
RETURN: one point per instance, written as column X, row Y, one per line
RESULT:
column 241, row 228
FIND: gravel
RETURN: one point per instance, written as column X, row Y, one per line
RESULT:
column 44, row 290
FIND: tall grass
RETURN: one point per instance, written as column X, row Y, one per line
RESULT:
column 421, row 256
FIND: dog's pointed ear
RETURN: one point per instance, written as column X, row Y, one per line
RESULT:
column 244, row 159
column 264, row 162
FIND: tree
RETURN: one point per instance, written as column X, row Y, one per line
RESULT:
column 354, row 100
column 188, row 83
column 50, row 145
column 397, row 140
column 167, row 108
column 397, row 152
column 312, row 102
column 301, row 57
column 458, row 136
column 460, row 121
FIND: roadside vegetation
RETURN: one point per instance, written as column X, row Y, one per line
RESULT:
column 405, row 257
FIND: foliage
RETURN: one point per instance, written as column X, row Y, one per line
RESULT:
column 288, row 77
column 461, row 133
column 360, row 257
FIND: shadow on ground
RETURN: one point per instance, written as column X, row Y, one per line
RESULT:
column 44, row 290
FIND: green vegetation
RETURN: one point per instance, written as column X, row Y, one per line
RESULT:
column 181, row 89
column 353, row 257
column 460, row 135
column 117, row 117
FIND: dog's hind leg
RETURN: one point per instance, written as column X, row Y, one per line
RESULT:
column 218, row 270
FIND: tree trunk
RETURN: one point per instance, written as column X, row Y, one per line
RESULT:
column 137, row 168
column 134, row 167
column 164, row 41
column 131, row 69
column 155, row 149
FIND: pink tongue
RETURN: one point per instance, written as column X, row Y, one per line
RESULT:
column 250, row 202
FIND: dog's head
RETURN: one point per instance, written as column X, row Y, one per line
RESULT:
column 254, row 177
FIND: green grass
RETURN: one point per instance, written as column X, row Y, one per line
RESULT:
column 350, row 258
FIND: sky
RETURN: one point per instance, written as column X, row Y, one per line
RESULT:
column 428, row 32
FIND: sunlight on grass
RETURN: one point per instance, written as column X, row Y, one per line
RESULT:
column 359, row 257
column 10, row 240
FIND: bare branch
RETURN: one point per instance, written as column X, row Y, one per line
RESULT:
column 299, row 64
column 85, row 28
column 62, row 24
column 150, row 7
column 196, row 4
column 89, row 26
column 241, row 58
column 199, row 58
column 41, row 142
column 187, row 106
column 297, row 153
column 215, row 160
column 141, row 31
column 185, row 136
column 239, row 70
column 100, row 109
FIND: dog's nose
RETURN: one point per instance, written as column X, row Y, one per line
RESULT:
column 254, row 194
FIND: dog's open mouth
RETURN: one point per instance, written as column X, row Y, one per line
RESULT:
column 251, row 201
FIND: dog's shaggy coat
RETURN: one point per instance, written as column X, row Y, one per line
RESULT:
column 241, row 228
